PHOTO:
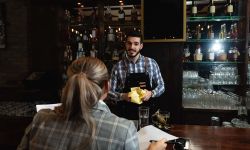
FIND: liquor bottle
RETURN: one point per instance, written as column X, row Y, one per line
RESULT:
column 80, row 51
column 85, row 37
column 230, row 8
column 115, row 55
column 198, row 32
column 223, row 31
column 210, row 55
column 186, row 54
column 212, row 8
column 108, row 15
column 68, row 55
column 67, row 16
column 121, row 15
column 198, row 55
column 120, row 35
column 94, row 35
column 111, row 35
column 93, row 51
column 194, row 9
column 210, row 32
column 189, row 34
column 79, row 17
column 234, row 34
column 242, row 109
column 134, row 14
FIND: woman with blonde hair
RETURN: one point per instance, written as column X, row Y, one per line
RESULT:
column 83, row 121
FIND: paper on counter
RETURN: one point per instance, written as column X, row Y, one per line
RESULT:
column 47, row 106
column 151, row 133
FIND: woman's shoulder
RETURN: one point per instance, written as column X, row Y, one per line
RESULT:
column 119, row 121
column 44, row 114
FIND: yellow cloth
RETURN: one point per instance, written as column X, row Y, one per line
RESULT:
column 136, row 95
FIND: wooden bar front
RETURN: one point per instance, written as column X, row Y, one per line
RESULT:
column 213, row 138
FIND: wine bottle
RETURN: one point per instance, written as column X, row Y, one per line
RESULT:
column 230, row 8
column 134, row 14
column 198, row 54
column 194, row 9
column 80, row 51
column 210, row 32
column 121, row 15
column 108, row 15
column 93, row 35
column 212, row 8
column 93, row 51
column 111, row 35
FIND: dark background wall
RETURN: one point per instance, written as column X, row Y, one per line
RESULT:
column 169, row 58
column 32, row 31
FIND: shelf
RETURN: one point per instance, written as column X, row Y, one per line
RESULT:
column 213, row 19
column 217, row 40
column 112, row 24
column 213, row 62
column 126, row 24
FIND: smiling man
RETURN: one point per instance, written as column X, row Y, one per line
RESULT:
column 135, row 70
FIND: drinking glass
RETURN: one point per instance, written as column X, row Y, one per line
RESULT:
column 143, row 116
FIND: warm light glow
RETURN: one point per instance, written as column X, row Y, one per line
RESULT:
column 216, row 46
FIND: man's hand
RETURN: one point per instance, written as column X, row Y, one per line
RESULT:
column 124, row 96
column 147, row 95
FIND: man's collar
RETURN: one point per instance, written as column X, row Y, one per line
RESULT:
column 130, row 60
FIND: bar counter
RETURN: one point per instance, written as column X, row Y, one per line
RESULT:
column 213, row 138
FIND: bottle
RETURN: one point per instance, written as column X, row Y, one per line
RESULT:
column 108, row 15
column 212, row 8
column 194, row 9
column 94, row 35
column 115, row 55
column 189, row 34
column 79, row 17
column 186, row 54
column 198, row 55
column 242, row 109
column 111, row 35
column 210, row 54
column 121, row 15
column 80, row 51
column 223, row 31
column 198, row 32
column 120, row 35
column 93, row 51
column 85, row 37
column 230, row 8
column 235, row 31
column 134, row 14
column 69, row 54
column 210, row 33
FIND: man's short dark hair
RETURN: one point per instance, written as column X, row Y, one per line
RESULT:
column 134, row 33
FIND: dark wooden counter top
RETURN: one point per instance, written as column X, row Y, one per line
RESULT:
column 213, row 138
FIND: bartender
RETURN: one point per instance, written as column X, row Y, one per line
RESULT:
column 135, row 70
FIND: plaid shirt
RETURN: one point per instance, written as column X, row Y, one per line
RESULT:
column 50, row 132
column 124, row 66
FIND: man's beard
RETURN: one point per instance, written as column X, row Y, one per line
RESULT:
column 130, row 56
